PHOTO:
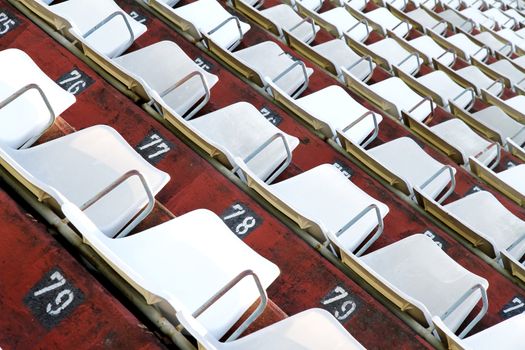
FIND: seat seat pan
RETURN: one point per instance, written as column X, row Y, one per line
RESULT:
column 439, row 82
column 478, row 17
column 343, row 20
column 387, row 20
column 467, row 46
column 460, row 136
column 514, row 177
column 112, row 39
column 508, row 70
column 487, row 216
column 154, row 66
column 501, row 335
column 285, row 17
column 494, row 43
column 405, row 158
column 238, row 130
column 206, row 15
column 419, row 268
column 334, row 106
column 480, row 80
column 497, row 120
column 269, row 60
column 422, row 17
column 513, row 37
column 390, row 50
column 431, row 49
column 79, row 166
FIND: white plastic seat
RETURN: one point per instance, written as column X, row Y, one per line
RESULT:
column 457, row 20
column 508, row 70
column 396, row 55
column 183, row 262
column 479, row 17
column 79, row 166
column 355, row 4
column 480, row 80
column 341, row 55
column 269, row 60
column 497, row 120
column 24, row 118
column 468, row 47
column 403, row 97
column 208, row 16
column 520, row 61
column 405, row 158
column 346, row 23
column 503, row 20
column 312, row 5
column 494, row 43
column 153, row 67
column 422, row 17
column 334, row 106
column 514, row 177
column 513, row 37
column 516, row 102
column 432, row 50
column 325, row 197
column 286, row 18
column 518, row 17
column 459, row 135
column 309, row 330
column 239, row 130
column 486, row 216
column 503, row 335
column 416, row 267
column 113, row 37
column 439, row 82
column 388, row 21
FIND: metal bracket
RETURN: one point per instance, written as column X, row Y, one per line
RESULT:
column 413, row 54
column 361, row 21
column 237, row 21
column 473, row 95
column 288, row 70
column 151, row 200
column 306, row 19
column 452, row 182
column 425, row 98
column 255, row 314
column 367, row 141
column 19, row 93
column 109, row 18
column 370, row 66
column 498, row 155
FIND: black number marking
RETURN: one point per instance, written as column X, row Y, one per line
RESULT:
column 8, row 22
column 271, row 116
column 154, row 147
column 241, row 219
column 75, row 82
column 340, row 303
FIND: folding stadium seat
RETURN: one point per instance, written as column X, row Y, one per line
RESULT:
column 329, row 109
column 479, row 80
column 403, row 163
column 455, row 4
column 394, row 54
column 457, row 20
column 339, row 21
column 457, row 134
column 107, row 28
column 513, row 177
column 432, row 50
column 174, row 87
column 514, row 4
column 495, row 43
column 384, row 20
column 113, row 186
column 467, row 47
column 340, row 55
column 478, row 17
column 355, row 4
column 308, row 330
column 240, row 130
column 29, row 100
column 443, row 89
column 162, row 263
column 431, row 283
column 268, row 60
column 518, row 17
column 393, row 96
column 313, row 5
column 504, row 335
column 427, row 21
column 424, row 288
column 224, row 29
column 318, row 210
column 486, row 219
column 513, row 37
column 283, row 17
column 502, row 19
column 510, row 71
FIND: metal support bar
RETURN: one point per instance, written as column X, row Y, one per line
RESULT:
column 482, row 48
column 413, row 54
column 405, row 22
column 498, row 155
column 508, row 44
column 501, row 82
column 473, row 95
column 288, row 70
column 19, row 93
column 515, row 243
column 449, row 50
column 438, row 23
column 362, row 21
column 184, row 80
column 237, row 21
column 367, row 141
column 145, row 212
column 460, row 301
column 377, row 233
column 370, row 66
column 520, row 131
column 452, row 182
column 109, row 18
column 255, row 314
column 306, row 19
column 426, row 98
column 258, row 150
